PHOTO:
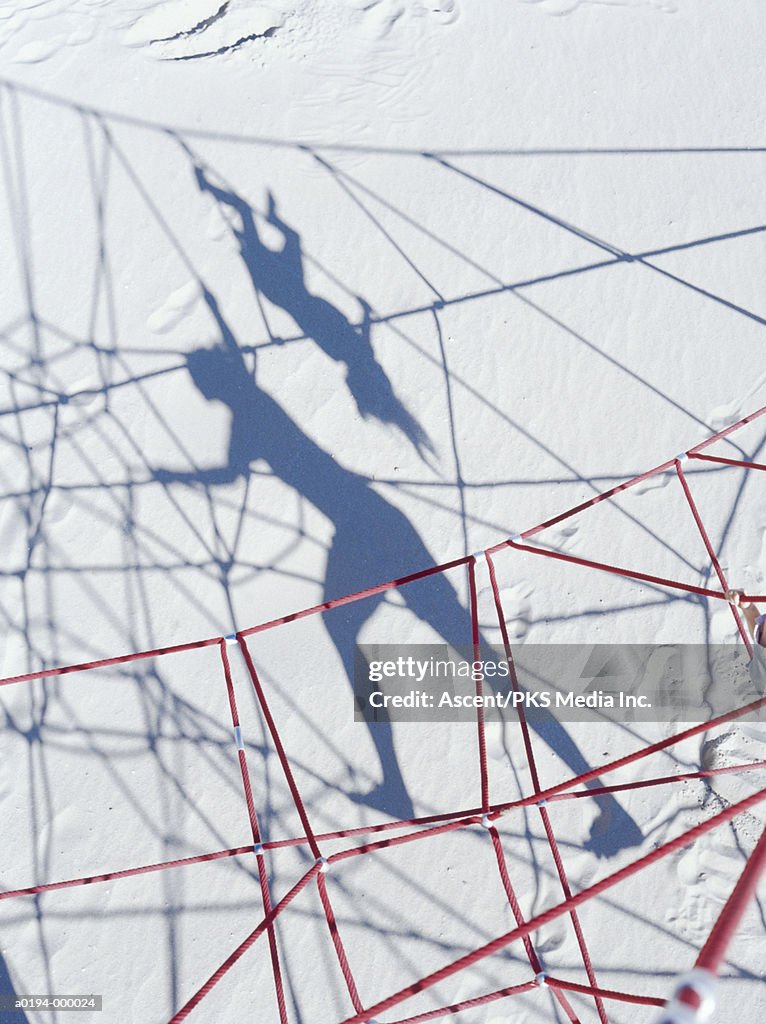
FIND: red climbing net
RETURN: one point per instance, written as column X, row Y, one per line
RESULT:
column 487, row 814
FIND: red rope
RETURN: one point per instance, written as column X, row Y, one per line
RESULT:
column 685, row 839
column 482, row 952
column 301, row 809
column 476, row 642
column 274, row 733
column 712, row 555
column 615, row 570
column 728, row 462
column 340, row 951
column 497, row 846
column 532, row 762
column 243, row 947
column 502, row 866
column 638, row 755
column 112, row 876
column 424, row 573
column 664, row 780
column 461, row 823
column 359, row 595
column 469, row 1004
column 256, row 834
column 722, row 932
column 242, row 756
column 604, row 993
column 641, row 477
column 561, row 872
column 122, row 659
column 750, row 418
column 719, row 939
column 237, row 851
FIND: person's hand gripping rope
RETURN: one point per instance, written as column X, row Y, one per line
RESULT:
column 751, row 615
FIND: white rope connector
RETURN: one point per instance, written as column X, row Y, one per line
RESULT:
column 683, row 457
column 542, row 979
column 542, row 803
column 231, row 640
column 514, row 537
column 324, row 864
column 486, row 821
column 479, row 555
column 238, row 737
column 704, row 984
column 258, row 849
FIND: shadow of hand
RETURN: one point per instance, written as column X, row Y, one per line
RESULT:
column 612, row 830
column 164, row 476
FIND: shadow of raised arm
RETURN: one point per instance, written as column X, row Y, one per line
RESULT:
column 199, row 477
column 228, row 198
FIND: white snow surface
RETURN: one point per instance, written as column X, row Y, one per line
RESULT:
column 302, row 295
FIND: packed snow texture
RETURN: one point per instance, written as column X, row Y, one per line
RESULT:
column 302, row 295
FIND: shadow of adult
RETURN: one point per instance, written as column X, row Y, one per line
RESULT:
column 372, row 541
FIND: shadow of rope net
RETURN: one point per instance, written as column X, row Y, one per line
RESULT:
column 694, row 997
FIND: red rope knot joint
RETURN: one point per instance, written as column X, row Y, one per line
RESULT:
column 238, row 737
column 541, row 979
column 231, row 640
column 701, row 985
column 324, row 864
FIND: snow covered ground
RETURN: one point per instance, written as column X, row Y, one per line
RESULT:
column 302, row 295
